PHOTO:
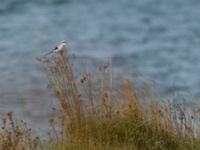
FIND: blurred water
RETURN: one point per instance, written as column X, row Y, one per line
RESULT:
column 154, row 38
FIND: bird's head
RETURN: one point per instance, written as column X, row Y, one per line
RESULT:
column 62, row 44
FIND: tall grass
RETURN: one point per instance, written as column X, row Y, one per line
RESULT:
column 92, row 115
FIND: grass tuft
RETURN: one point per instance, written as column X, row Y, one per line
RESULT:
column 104, row 119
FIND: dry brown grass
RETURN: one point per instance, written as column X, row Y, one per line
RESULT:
column 115, row 117
column 92, row 115
column 16, row 135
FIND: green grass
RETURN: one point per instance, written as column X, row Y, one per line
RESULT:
column 107, row 120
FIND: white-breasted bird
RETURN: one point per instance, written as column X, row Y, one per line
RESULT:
column 59, row 48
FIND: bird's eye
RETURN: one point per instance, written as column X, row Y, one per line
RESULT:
column 56, row 47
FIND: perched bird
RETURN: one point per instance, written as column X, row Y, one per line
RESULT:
column 59, row 48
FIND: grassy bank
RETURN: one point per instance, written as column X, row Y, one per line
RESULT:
column 95, row 116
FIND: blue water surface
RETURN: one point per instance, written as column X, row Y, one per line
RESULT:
column 155, row 39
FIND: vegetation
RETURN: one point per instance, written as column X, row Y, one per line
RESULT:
column 94, row 116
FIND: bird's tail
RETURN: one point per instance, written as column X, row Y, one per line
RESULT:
column 48, row 53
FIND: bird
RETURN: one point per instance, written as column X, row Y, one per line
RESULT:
column 59, row 48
